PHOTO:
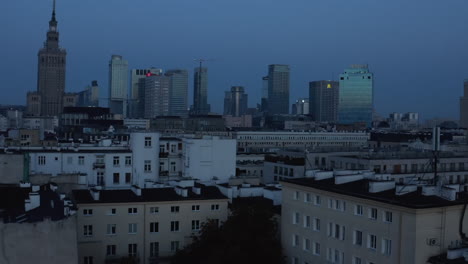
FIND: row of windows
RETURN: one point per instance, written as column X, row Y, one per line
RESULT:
column 111, row 250
column 152, row 210
column 41, row 160
column 133, row 228
column 340, row 205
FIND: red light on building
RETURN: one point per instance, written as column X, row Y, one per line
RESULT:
column 148, row 74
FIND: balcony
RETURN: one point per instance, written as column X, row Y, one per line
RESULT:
column 99, row 165
column 163, row 154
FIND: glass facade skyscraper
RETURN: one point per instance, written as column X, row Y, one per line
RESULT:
column 118, row 85
column 200, row 93
column 323, row 97
column 356, row 95
column 278, row 89
column 178, row 93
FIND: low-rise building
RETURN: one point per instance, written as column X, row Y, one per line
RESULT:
column 148, row 225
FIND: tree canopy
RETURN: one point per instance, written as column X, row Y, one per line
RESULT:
column 250, row 235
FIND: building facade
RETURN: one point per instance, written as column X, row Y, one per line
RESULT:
column 118, row 85
column 147, row 225
column 323, row 97
column 157, row 99
column 136, row 105
column 464, row 106
column 200, row 92
column 235, row 101
column 301, row 107
column 356, row 95
column 278, row 89
column 178, row 92
column 89, row 96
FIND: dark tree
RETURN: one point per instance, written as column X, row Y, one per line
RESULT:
column 250, row 235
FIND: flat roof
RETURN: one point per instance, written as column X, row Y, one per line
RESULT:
column 147, row 195
column 359, row 189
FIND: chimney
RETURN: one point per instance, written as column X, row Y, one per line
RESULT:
column 94, row 194
column 136, row 190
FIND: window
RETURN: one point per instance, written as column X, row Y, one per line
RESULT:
column 295, row 260
column 41, row 160
column 128, row 177
column 195, row 207
column 307, row 198
column 296, row 195
column 154, row 249
column 132, row 210
column 80, row 160
column 330, row 203
column 147, row 167
column 147, row 142
column 110, row 250
column 388, row 217
column 316, row 250
column 174, row 209
column 87, row 212
column 296, row 218
column 116, row 178
column 132, row 250
column 316, row 224
column 373, row 213
column 174, row 246
column 87, row 230
column 132, row 228
column 214, row 207
column 357, row 260
column 295, row 240
column 195, row 225
column 112, row 211
column 116, row 161
column 128, row 160
column 357, row 237
column 318, row 200
column 306, row 221
column 174, row 226
column 386, row 247
column 306, row 245
column 154, row 210
column 372, row 242
column 111, row 229
column 154, row 227
column 358, row 209
column 88, row 260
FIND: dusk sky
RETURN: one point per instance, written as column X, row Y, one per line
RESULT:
column 417, row 49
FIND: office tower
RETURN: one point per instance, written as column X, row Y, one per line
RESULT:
column 235, row 101
column 51, row 73
column 136, row 103
column 356, row 95
column 157, row 95
column 178, row 92
column 89, row 96
column 200, row 92
column 278, row 89
column 464, row 106
column 323, row 100
column 118, row 83
column 301, row 107
column 264, row 100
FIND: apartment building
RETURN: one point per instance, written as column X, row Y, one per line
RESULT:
column 147, row 225
column 348, row 219
column 249, row 141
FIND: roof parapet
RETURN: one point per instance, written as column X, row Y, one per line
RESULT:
column 380, row 186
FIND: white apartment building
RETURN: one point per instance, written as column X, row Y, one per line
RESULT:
column 354, row 219
column 147, row 225
column 170, row 158
column 209, row 158
column 263, row 141
column 110, row 167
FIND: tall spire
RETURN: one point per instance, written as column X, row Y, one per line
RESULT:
column 53, row 12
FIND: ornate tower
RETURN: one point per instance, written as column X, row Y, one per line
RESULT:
column 51, row 72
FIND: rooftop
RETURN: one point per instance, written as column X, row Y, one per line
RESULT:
column 359, row 189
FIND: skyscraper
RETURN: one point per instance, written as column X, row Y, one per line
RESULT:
column 235, row 101
column 89, row 96
column 200, row 92
column 264, row 100
column 356, row 95
column 464, row 106
column 278, row 89
column 157, row 95
column 301, row 107
column 118, row 85
column 323, row 100
column 178, row 92
column 51, row 74
column 136, row 104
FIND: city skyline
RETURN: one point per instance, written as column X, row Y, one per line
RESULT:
column 427, row 59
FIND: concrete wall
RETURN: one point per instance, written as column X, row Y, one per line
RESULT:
column 11, row 168
column 43, row 242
